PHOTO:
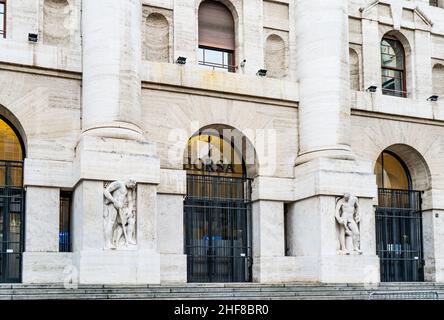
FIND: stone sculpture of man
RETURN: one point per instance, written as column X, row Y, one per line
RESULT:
column 348, row 218
column 119, row 213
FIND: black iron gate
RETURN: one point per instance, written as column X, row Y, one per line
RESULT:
column 399, row 235
column 11, row 221
column 217, row 222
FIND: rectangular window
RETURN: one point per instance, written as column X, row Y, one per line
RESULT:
column 434, row 3
column 65, row 222
column 210, row 58
column 2, row 18
column 393, row 83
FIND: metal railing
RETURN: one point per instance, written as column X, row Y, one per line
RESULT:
column 217, row 221
column 399, row 235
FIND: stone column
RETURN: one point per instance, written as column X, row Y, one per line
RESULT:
column 112, row 146
column 322, row 68
column 111, row 62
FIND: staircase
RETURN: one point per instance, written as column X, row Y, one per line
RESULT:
column 250, row 291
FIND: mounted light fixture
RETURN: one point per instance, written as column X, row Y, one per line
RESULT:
column 33, row 37
column 433, row 98
column 372, row 89
column 261, row 73
column 181, row 60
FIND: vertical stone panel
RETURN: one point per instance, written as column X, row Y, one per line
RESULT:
column 42, row 219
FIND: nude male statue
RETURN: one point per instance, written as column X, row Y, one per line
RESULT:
column 348, row 217
column 119, row 209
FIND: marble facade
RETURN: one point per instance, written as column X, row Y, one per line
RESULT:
column 92, row 109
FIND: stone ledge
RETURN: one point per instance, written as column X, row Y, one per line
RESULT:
column 192, row 76
column 46, row 267
column 332, row 177
column 118, row 267
column 48, row 173
column 116, row 159
column 273, row 189
column 172, row 182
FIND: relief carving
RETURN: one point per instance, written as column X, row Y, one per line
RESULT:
column 119, row 215
column 348, row 219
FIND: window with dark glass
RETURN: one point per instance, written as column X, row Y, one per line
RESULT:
column 216, row 37
column 65, row 222
column 437, row 3
column 393, row 67
column 2, row 18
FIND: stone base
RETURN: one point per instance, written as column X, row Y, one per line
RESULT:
column 350, row 269
column 118, row 267
column 47, row 267
column 326, row 269
column 438, row 275
column 281, row 270
column 173, row 268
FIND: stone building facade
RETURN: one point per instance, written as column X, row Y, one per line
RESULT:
column 335, row 170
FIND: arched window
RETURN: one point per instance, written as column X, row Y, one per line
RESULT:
column 393, row 67
column 216, row 36
column 391, row 172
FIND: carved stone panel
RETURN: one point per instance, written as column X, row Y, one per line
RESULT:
column 347, row 221
column 119, row 214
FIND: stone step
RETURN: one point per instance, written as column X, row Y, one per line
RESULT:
column 211, row 291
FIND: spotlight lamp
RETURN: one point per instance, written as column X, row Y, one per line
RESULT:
column 261, row 73
column 181, row 60
column 33, row 37
column 433, row 98
column 372, row 89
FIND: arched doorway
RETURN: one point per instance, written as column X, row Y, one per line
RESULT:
column 11, row 203
column 217, row 208
column 398, row 221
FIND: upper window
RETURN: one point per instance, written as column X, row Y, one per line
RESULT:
column 2, row 18
column 436, row 3
column 216, row 36
column 393, row 67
